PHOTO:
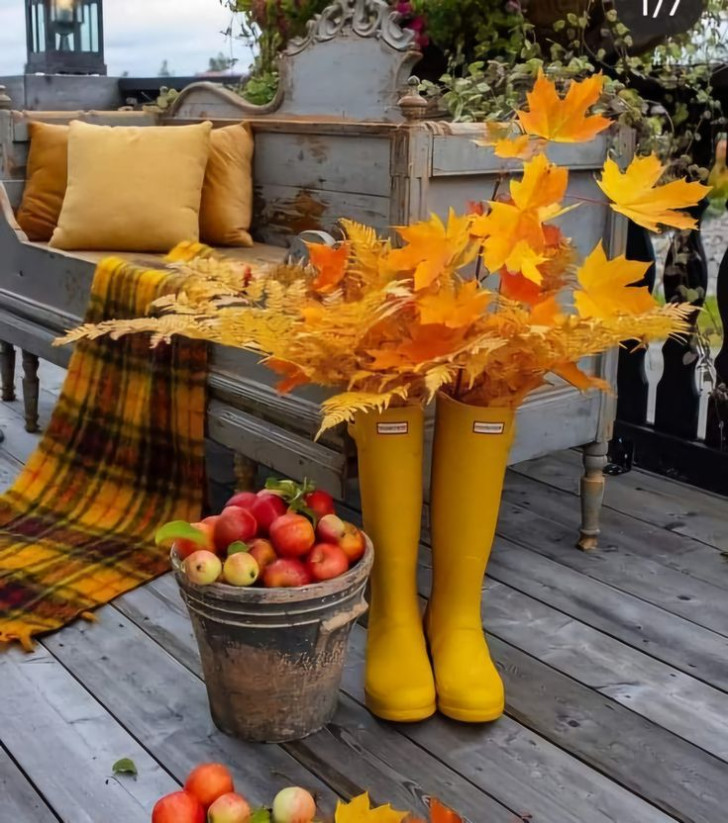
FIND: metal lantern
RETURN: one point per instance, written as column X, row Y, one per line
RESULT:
column 65, row 36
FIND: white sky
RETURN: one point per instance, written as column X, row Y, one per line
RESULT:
column 139, row 35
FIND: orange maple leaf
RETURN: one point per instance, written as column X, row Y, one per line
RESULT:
column 330, row 264
column 535, row 198
column 563, row 120
column 293, row 374
column 519, row 148
column 606, row 286
column 515, row 286
column 635, row 194
column 581, row 380
column 434, row 248
column 439, row 813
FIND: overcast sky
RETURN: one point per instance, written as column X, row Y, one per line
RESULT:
column 139, row 35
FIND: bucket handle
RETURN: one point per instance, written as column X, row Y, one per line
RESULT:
column 340, row 620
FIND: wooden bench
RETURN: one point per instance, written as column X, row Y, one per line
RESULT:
column 344, row 138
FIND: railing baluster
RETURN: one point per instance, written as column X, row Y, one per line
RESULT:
column 716, row 434
column 678, row 400
column 632, row 383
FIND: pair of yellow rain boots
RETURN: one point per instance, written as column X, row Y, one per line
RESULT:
column 412, row 668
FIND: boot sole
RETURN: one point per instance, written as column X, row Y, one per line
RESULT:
column 399, row 715
column 470, row 715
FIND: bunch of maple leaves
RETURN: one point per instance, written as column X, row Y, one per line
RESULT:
column 385, row 325
column 359, row 810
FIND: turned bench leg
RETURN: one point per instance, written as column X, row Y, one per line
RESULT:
column 592, row 493
column 31, row 390
column 7, row 370
column 246, row 471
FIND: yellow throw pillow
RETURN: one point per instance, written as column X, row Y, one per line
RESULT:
column 227, row 195
column 132, row 188
column 46, row 180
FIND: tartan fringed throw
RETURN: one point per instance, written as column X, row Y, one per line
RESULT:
column 123, row 453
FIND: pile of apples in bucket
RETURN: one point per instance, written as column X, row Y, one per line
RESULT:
column 284, row 535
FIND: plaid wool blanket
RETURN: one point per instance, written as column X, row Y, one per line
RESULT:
column 123, row 453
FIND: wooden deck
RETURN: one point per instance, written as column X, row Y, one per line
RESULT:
column 615, row 663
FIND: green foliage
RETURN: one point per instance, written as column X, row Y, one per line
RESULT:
column 125, row 766
column 488, row 78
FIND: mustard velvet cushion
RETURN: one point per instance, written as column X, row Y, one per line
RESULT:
column 132, row 188
column 46, row 180
column 227, row 194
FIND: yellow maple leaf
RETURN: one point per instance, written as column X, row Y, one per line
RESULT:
column 361, row 811
column 563, row 120
column 542, row 186
column 330, row 264
column 454, row 309
column 522, row 147
column 635, row 194
column 606, row 286
column 433, row 248
column 526, row 260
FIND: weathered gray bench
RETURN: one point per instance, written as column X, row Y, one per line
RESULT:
column 344, row 138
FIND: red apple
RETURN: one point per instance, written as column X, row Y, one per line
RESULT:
column 320, row 502
column 185, row 547
column 292, row 535
column 208, row 781
column 232, row 525
column 202, row 567
column 326, row 560
column 352, row 542
column 330, row 529
column 286, row 573
column 267, row 508
column 243, row 500
column 293, row 805
column 229, row 808
column 178, row 807
column 262, row 550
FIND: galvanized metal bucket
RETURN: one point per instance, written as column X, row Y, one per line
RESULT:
column 273, row 658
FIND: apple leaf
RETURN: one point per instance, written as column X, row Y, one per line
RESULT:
column 125, row 766
column 260, row 816
column 237, row 547
column 179, row 529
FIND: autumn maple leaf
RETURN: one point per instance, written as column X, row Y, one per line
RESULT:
column 330, row 264
column 635, row 194
column 454, row 309
column 434, row 248
column 563, row 120
column 361, row 811
column 606, row 286
column 510, row 227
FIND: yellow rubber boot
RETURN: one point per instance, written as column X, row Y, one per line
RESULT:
column 399, row 681
column 468, row 466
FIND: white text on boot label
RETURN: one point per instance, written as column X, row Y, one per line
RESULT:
column 488, row 428
column 393, row 428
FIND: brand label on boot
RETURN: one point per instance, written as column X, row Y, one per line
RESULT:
column 393, row 428
column 488, row 428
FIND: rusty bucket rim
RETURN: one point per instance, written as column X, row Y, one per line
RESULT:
column 356, row 575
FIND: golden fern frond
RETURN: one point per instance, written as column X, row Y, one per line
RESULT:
column 438, row 377
column 342, row 408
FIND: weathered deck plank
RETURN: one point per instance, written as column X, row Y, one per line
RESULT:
column 697, row 600
column 160, row 702
column 667, row 637
column 66, row 742
column 354, row 752
column 20, row 801
column 545, row 767
column 671, row 699
column 669, row 504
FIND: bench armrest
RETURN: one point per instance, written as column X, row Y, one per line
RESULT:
column 7, row 215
